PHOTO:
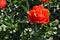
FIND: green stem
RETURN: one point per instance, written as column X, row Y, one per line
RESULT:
column 27, row 4
column 36, row 28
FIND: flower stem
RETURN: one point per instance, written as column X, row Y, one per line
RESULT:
column 36, row 28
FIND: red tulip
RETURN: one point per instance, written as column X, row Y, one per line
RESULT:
column 3, row 4
column 44, row 0
column 38, row 14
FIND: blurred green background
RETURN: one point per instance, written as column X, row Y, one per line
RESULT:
column 14, row 24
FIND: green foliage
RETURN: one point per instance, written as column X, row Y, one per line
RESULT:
column 15, row 26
